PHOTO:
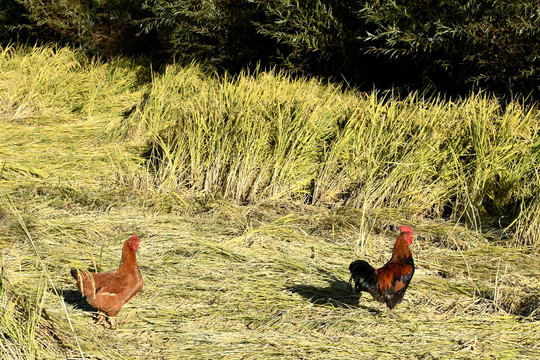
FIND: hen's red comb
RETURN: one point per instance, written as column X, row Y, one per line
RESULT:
column 134, row 237
column 405, row 229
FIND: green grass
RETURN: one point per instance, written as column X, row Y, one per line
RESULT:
column 241, row 271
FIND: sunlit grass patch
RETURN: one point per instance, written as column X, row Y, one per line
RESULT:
column 51, row 84
column 232, row 282
column 252, row 138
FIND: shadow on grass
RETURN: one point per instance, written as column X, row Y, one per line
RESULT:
column 336, row 294
column 74, row 298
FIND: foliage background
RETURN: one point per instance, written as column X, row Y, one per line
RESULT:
column 449, row 46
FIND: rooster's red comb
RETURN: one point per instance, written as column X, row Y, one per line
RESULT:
column 405, row 229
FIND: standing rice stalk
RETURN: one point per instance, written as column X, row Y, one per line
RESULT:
column 265, row 136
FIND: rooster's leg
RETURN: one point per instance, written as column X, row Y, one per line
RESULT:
column 393, row 314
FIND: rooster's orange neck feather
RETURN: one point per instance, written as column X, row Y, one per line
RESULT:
column 401, row 248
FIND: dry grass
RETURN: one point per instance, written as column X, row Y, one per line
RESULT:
column 226, row 283
column 254, row 138
column 229, row 281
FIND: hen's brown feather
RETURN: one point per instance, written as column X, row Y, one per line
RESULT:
column 109, row 291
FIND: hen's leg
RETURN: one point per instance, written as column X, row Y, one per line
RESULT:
column 98, row 317
column 111, row 322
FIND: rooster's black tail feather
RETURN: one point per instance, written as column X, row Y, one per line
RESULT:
column 363, row 275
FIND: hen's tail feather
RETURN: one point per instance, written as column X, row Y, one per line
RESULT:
column 85, row 282
column 363, row 275
column 74, row 274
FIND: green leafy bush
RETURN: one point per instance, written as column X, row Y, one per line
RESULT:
column 219, row 33
column 490, row 44
column 449, row 46
column 108, row 28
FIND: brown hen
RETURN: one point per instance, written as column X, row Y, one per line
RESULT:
column 109, row 291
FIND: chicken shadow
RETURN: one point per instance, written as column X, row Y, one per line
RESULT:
column 75, row 299
column 336, row 294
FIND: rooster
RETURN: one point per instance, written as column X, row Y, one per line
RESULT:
column 387, row 284
column 109, row 291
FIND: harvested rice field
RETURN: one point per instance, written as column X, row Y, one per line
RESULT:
column 226, row 278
